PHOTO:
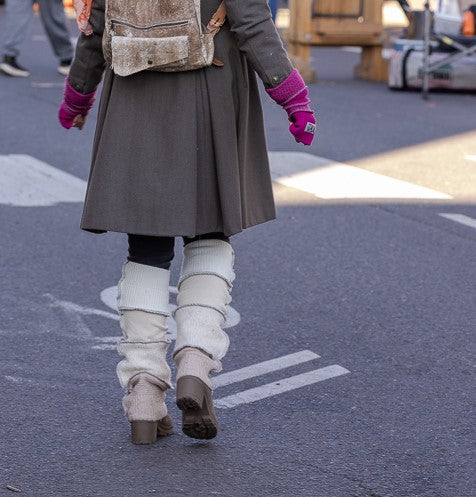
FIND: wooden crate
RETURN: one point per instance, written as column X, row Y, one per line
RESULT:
column 337, row 23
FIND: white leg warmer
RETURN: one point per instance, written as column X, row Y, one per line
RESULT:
column 143, row 305
column 204, row 292
column 145, row 288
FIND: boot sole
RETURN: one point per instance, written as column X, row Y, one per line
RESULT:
column 194, row 399
column 147, row 432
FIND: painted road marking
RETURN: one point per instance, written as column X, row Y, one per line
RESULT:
column 281, row 386
column 71, row 307
column 81, row 330
column 29, row 182
column 39, row 84
column 386, row 52
column 328, row 179
column 470, row 157
column 109, row 298
column 43, row 38
column 263, row 368
column 460, row 218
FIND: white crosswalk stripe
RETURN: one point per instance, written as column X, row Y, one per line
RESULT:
column 29, row 182
column 329, row 180
column 281, row 386
column 263, row 368
column 460, row 218
column 276, row 387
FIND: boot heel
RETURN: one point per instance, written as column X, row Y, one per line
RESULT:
column 190, row 393
column 144, row 432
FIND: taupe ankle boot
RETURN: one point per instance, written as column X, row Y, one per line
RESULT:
column 143, row 372
column 194, row 393
column 145, row 409
column 204, row 293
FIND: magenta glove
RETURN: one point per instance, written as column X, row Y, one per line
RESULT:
column 292, row 95
column 74, row 104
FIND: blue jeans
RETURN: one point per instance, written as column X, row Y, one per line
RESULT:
column 17, row 24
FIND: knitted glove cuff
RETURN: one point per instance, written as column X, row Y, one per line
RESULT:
column 291, row 94
column 290, row 88
column 77, row 103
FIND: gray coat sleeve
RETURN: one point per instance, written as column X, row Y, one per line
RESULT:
column 250, row 21
column 89, row 64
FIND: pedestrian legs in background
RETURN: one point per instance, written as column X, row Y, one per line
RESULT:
column 17, row 27
column 143, row 302
column 204, row 293
column 54, row 21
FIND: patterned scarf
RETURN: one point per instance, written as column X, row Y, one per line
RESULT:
column 83, row 11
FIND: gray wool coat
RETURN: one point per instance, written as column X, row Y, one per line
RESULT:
column 183, row 153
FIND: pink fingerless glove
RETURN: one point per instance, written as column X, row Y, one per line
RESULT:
column 74, row 104
column 292, row 95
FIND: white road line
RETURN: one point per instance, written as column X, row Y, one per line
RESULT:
column 352, row 49
column 105, row 346
column 39, row 84
column 73, row 308
column 333, row 180
column 289, row 163
column 263, row 368
column 14, row 379
column 282, row 386
column 470, row 157
column 112, row 340
column 29, row 182
column 460, row 218
column 386, row 52
column 43, row 38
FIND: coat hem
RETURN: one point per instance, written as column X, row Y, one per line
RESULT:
column 231, row 232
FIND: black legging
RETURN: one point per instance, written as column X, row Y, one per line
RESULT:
column 158, row 251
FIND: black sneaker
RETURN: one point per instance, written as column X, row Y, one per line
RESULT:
column 64, row 67
column 10, row 66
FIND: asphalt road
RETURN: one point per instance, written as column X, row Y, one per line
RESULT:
column 382, row 288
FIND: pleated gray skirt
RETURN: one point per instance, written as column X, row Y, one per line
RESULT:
column 181, row 154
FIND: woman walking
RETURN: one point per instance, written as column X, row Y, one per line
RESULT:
column 181, row 154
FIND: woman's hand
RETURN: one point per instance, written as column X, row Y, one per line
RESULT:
column 79, row 121
column 292, row 95
column 303, row 127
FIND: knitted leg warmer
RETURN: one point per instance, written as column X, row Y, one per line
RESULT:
column 143, row 371
column 204, row 293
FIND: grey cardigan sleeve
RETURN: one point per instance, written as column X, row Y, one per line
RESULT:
column 250, row 21
column 89, row 64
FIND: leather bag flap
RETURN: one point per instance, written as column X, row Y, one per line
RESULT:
column 131, row 55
